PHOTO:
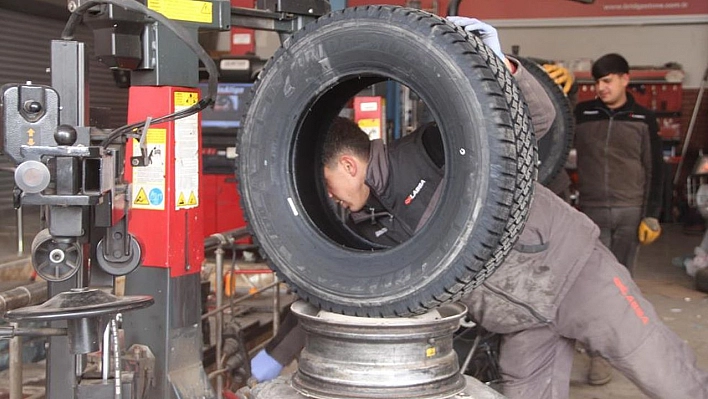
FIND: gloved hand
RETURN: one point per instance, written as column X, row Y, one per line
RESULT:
column 561, row 76
column 486, row 32
column 264, row 367
column 649, row 230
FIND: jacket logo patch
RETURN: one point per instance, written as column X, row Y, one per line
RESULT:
column 415, row 192
column 589, row 112
column 637, row 116
column 632, row 301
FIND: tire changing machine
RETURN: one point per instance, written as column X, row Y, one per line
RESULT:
column 88, row 207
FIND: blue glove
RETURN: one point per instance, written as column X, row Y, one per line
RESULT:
column 486, row 32
column 264, row 367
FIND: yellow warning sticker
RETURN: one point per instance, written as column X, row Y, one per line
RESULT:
column 141, row 198
column 372, row 127
column 185, row 98
column 180, row 200
column 156, row 136
column 183, row 10
column 430, row 352
column 149, row 179
column 192, row 199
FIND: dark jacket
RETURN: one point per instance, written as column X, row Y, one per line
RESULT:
column 404, row 179
column 619, row 156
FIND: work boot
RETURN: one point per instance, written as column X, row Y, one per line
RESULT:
column 600, row 371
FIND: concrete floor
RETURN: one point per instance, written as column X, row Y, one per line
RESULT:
column 672, row 292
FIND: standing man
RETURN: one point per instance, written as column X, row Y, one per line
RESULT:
column 620, row 169
column 619, row 162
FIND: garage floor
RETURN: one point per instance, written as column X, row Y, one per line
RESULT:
column 671, row 291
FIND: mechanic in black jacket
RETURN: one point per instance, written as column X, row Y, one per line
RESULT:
column 558, row 285
column 620, row 163
column 620, row 170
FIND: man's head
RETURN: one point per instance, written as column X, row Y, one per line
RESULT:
column 611, row 74
column 345, row 160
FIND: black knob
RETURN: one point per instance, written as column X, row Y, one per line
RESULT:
column 65, row 135
column 33, row 107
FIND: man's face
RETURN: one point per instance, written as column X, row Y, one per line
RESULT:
column 612, row 89
column 345, row 181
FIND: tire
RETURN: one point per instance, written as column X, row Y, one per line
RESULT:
column 553, row 148
column 303, row 86
column 526, row 160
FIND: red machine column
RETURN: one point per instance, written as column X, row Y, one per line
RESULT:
column 164, row 168
column 166, row 216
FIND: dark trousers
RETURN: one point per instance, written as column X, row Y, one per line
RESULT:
column 618, row 231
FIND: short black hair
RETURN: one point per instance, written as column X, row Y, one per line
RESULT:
column 344, row 135
column 608, row 64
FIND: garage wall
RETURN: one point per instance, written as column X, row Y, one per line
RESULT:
column 642, row 44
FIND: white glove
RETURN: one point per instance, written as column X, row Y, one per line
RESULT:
column 486, row 32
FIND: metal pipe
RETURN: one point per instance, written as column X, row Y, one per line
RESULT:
column 105, row 354
column 216, row 373
column 116, row 358
column 226, row 237
column 276, row 307
column 11, row 332
column 473, row 349
column 25, row 295
column 20, row 233
column 219, row 316
column 78, row 365
column 15, row 366
column 237, row 300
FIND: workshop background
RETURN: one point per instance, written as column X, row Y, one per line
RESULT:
column 650, row 34
column 668, row 39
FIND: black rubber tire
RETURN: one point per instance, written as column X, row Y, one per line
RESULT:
column 305, row 84
column 526, row 160
column 553, row 148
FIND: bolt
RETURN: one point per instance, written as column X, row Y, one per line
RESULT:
column 56, row 255
column 33, row 106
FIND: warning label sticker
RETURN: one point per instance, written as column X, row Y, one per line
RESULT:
column 149, row 180
column 141, row 198
column 186, row 153
column 372, row 127
column 183, row 10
